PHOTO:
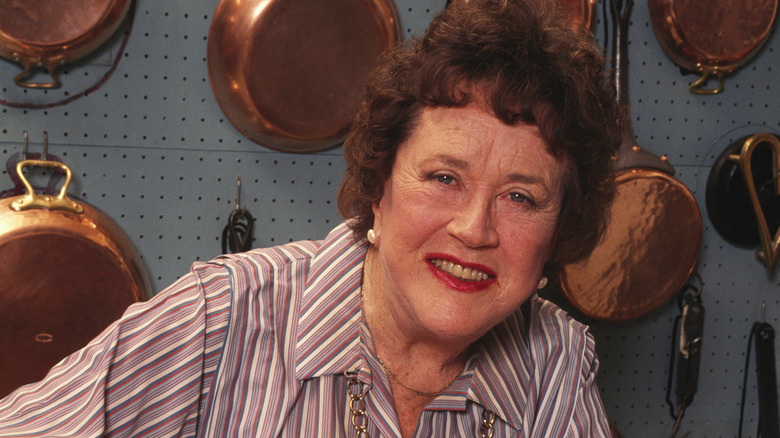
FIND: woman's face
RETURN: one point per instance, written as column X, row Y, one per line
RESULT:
column 466, row 223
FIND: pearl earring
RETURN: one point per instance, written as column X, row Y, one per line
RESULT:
column 542, row 283
column 371, row 236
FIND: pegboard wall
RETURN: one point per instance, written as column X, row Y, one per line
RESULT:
column 149, row 146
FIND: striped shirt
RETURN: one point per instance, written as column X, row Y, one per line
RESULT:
column 263, row 344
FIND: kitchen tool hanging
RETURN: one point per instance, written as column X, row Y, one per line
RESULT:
column 237, row 234
column 67, row 272
column 290, row 74
column 49, row 33
column 685, row 358
column 766, row 379
column 652, row 240
column 743, row 195
column 711, row 38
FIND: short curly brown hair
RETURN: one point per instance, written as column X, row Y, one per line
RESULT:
column 530, row 65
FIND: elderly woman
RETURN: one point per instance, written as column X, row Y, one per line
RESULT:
column 477, row 165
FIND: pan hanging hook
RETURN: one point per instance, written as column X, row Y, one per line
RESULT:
column 237, row 234
column 238, row 192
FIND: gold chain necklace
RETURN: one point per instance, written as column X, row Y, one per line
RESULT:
column 422, row 393
column 393, row 377
column 360, row 423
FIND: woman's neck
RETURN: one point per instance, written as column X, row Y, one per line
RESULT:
column 414, row 357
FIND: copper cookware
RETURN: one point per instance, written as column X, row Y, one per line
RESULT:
column 712, row 38
column 67, row 271
column 49, row 33
column 289, row 74
column 743, row 195
column 652, row 240
column 581, row 12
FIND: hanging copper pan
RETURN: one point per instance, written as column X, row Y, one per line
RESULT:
column 729, row 201
column 67, row 272
column 653, row 237
column 49, row 33
column 712, row 38
column 581, row 12
column 743, row 194
column 289, row 74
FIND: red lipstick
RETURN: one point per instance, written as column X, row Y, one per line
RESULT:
column 460, row 284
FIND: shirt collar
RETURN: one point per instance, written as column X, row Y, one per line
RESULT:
column 328, row 337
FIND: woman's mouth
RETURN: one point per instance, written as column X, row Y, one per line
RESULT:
column 458, row 271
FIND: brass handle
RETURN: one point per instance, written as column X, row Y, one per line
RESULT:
column 32, row 200
column 27, row 65
column 769, row 244
column 698, row 86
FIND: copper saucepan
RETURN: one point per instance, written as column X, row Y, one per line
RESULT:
column 289, row 74
column 712, row 38
column 67, row 272
column 49, row 33
column 652, row 241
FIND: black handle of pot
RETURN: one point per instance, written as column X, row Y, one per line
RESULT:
column 766, row 381
column 689, row 352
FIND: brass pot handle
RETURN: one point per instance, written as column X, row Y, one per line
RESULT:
column 698, row 86
column 32, row 200
column 770, row 246
column 28, row 64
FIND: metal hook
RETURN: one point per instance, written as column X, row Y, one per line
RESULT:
column 24, row 148
column 238, row 193
column 45, row 156
column 763, row 311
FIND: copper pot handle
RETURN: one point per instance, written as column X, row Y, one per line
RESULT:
column 27, row 64
column 698, row 86
column 770, row 246
column 32, row 200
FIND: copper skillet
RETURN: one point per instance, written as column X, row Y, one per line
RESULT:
column 49, row 33
column 652, row 241
column 289, row 74
column 712, row 38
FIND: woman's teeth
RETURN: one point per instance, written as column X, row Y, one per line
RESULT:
column 459, row 271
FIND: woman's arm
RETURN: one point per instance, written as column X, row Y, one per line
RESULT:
column 145, row 375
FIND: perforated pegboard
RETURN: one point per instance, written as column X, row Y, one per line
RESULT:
column 151, row 148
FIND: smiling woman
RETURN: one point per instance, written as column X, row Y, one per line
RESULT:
column 479, row 162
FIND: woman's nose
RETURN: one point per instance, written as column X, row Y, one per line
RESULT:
column 473, row 223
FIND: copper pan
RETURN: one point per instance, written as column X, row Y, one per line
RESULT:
column 289, row 74
column 67, row 272
column 581, row 12
column 712, row 38
column 652, row 240
column 49, row 33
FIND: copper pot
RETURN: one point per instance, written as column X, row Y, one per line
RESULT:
column 49, row 33
column 289, row 74
column 712, row 38
column 652, row 241
column 67, row 272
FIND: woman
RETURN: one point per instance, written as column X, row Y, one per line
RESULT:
column 478, row 164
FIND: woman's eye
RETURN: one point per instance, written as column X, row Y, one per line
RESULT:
column 446, row 179
column 519, row 197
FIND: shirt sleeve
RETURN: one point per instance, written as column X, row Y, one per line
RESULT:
column 145, row 375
